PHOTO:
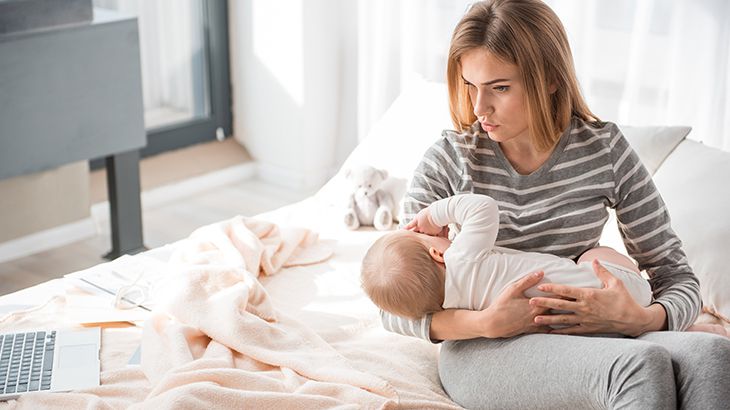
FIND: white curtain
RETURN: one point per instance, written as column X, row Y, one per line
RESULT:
column 173, row 63
column 646, row 62
column 400, row 41
column 639, row 62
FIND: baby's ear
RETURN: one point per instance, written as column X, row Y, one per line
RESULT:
column 436, row 255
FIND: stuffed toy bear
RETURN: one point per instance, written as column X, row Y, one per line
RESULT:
column 368, row 205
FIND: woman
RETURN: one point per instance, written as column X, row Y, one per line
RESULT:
column 527, row 138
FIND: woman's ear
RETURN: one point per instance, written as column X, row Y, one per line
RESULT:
column 552, row 88
column 436, row 255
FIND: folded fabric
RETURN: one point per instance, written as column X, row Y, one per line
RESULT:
column 256, row 245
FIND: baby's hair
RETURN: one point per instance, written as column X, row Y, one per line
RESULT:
column 528, row 34
column 400, row 277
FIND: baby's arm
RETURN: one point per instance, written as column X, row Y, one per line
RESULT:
column 478, row 216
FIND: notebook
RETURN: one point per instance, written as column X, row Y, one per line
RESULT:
column 48, row 361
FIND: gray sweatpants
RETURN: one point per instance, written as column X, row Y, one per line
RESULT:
column 659, row 370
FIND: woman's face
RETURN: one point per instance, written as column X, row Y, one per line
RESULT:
column 497, row 94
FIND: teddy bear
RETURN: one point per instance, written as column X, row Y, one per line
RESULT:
column 368, row 204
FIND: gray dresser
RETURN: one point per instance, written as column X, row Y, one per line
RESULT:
column 73, row 91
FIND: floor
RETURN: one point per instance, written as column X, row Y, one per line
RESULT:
column 164, row 221
column 177, row 165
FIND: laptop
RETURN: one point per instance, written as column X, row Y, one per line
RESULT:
column 48, row 360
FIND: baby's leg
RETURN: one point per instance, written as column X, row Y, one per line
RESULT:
column 604, row 253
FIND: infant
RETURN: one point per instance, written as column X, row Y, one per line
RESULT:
column 411, row 274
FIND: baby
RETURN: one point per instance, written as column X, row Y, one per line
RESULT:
column 410, row 274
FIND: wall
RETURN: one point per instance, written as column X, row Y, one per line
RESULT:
column 42, row 201
column 294, row 82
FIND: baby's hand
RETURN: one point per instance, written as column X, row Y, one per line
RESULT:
column 423, row 223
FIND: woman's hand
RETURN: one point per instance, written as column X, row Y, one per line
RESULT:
column 607, row 310
column 423, row 223
column 509, row 315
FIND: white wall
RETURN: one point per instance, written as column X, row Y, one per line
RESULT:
column 294, row 82
column 43, row 200
column 43, row 210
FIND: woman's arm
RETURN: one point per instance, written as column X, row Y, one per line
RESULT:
column 431, row 181
column 509, row 315
column 645, row 225
column 646, row 229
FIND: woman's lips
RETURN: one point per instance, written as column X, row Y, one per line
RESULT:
column 489, row 127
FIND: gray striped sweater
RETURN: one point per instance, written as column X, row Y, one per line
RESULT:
column 561, row 208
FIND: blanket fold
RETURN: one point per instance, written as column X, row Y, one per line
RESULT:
column 216, row 340
column 218, row 311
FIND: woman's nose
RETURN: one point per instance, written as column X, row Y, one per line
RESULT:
column 482, row 105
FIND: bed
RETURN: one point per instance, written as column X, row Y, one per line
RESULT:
column 304, row 335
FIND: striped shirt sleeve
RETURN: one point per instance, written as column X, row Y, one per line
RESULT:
column 420, row 328
column 645, row 225
column 432, row 180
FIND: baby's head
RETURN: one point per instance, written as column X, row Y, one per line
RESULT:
column 403, row 273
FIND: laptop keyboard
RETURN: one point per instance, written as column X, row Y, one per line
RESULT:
column 26, row 361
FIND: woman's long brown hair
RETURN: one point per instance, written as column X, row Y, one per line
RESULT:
column 528, row 34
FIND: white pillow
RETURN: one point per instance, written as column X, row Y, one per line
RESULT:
column 694, row 182
column 413, row 122
column 398, row 141
column 654, row 144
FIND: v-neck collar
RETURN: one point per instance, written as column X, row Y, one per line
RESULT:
column 546, row 166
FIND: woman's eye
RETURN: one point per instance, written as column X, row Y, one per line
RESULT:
column 501, row 88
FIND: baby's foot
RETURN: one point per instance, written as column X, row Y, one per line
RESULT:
column 709, row 328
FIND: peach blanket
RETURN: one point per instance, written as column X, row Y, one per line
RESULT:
column 216, row 340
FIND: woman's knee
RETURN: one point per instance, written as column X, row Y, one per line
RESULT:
column 468, row 376
column 711, row 343
column 700, row 363
column 705, row 352
column 646, row 360
column 692, row 348
column 449, row 373
column 452, row 372
column 643, row 376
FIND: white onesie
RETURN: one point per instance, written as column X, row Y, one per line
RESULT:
column 477, row 271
